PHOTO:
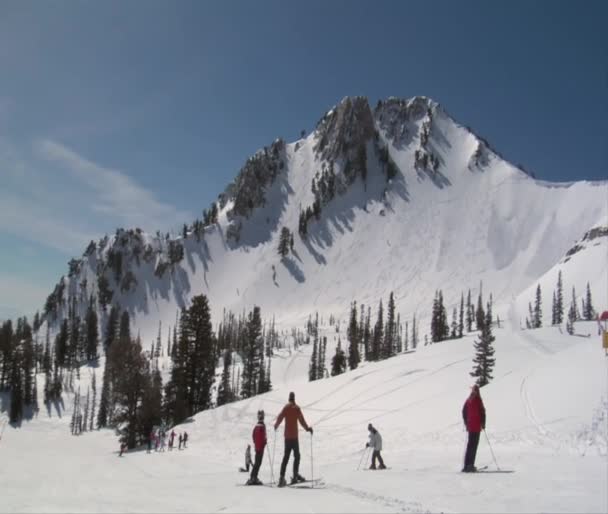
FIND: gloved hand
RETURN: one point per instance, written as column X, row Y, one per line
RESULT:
column 367, row 445
column 309, row 430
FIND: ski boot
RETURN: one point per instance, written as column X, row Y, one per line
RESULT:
column 282, row 482
column 297, row 479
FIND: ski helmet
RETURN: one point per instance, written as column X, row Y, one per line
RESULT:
column 260, row 415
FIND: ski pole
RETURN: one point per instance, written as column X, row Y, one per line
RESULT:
column 274, row 445
column 312, row 478
column 492, row 451
column 271, row 470
column 361, row 459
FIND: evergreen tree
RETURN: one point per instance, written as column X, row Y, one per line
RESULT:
column 224, row 392
column 559, row 310
column 538, row 313
column 390, row 332
column 92, row 331
column 338, row 361
column 252, row 354
column 150, row 414
column 312, row 367
column 414, row 333
column 469, row 319
column 367, row 336
column 483, row 362
column 201, row 355
column 454, row 331
column 589, row 311
column 353, row 338
column 479, row 314
column 554, row 310
column 129, row 384
column 111, row 327
column 284, row 242
column 104, row 402
column 461, row 317
column 378, row 336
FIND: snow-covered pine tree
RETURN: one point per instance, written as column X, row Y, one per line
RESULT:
column 111, row 332
column 312, row 367
column 390, row 332
column 352, row 334
column 538, row 313
column 224, row 393
column 469, row 312
column 92, row 331
column 454, row 331
column 559, row 300
column 284, row 240
column 479, row 314
column 157, row 349
column 367, row 335
column 378, row 336
column 251, row 350
column 589, row 312
column 483, row 362
column 461, row 317
column 338, row 361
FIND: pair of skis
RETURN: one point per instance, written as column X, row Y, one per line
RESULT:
column 317, row 483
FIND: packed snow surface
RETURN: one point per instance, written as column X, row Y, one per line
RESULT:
column 545, row 422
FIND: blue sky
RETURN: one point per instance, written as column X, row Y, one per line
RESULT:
column 139, row 113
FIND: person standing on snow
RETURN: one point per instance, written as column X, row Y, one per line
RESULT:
column 185, row 439
column 375, row 443
column 171, row 439
column 474, row 416
column 259, row 443
column 292, row 414
column 248, row 461
column 181, row 440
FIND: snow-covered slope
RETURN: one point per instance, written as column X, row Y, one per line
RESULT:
column 462, row 217
column 546, row 422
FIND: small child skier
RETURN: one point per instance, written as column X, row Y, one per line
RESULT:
column 248, row 461
column 259, row 443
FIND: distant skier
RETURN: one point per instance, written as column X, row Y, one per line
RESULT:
column 123, row 447
column 171, row 439
column 248, row 461
column 474, row 416
column 185, row 439
column 375, row 443
column 292, row 415
column 259, row 443
column 162, row 441
column 181, row 440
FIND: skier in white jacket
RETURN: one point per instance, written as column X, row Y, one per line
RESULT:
column 375, row 443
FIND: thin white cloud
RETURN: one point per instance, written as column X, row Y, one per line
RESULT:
column 114, row 193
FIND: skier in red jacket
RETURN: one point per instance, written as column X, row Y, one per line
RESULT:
column 474, row 416
column 259, row 443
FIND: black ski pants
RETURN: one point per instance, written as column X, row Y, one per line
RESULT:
column 259, row 456
column 291, row 444
column 376, row 455
column 469, row 458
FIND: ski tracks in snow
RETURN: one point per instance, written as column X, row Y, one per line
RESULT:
column 395, row 504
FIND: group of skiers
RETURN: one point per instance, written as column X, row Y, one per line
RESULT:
column 473, row 414
column 158, row 438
